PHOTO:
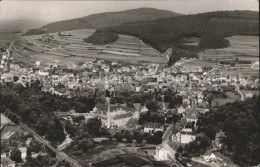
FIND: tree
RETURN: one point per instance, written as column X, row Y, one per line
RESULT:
column 138, row 137
column 152, row 105
column 16, row 155
column 94, row 125
column 129, row 137
column 70, row 128
column 14, row 118
column 173, row 119
column 157, row 137
column 119, row 136
column 55, row 132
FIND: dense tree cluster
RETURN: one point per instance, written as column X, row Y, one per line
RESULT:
column 101, row 37
column 16, row 155
column 82, row 134
column 240, row 122
column 35, row 108
column 151, row 117
column 196, row 147
column 213, row 42
column 139, row 137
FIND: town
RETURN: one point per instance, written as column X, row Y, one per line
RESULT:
column 160, row 111
column 68, row 101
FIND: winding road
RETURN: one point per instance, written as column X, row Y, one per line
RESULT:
column 165, row 141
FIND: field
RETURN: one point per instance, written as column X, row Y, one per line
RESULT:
column 200, row 63
column 254, row 92
column 237, row 71
column 231, row 97
column 69, row 47
column 241, row 47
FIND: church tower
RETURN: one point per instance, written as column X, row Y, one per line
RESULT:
column 108, row 113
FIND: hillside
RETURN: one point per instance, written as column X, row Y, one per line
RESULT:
column 104, row 20
column 173, row 31
column 169, row 30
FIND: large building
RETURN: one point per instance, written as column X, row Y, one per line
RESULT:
column 115, row 115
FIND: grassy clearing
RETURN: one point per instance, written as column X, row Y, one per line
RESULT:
column 239, row 45
column 231, row 97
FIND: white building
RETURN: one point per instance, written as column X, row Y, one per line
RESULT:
column 184, row 137
column 181, row 110
column 152, row 127
column 161, row 154
column 143, row 109
column 23, row 152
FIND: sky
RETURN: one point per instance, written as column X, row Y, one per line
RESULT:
column 62, row 10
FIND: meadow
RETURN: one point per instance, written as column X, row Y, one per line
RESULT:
column 242, row 47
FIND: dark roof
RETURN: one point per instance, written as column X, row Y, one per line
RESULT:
column 129, row 114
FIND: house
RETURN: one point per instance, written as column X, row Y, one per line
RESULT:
column 43, row 73
column 161, row 154
column 218, row 139
column 202, row 110
column 28, row 141
column 143, row 109
column 181, row 110
column 7, row 162
column 184, row 136
column 185, row 99
column 152, row 127
column 3, row 155
column 138, row 88
column 249, row 95
column 191, row 118
column 23, row 152
column 212, row 158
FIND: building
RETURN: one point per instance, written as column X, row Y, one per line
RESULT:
column 23, row 152
column 161, row 154
column 217, row 143
column 191, row 118
column 143, row 109
column 115, row 115
column 181, row 110
column 185, row 136
column 152, row 127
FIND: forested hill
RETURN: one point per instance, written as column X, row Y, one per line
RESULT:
column 172, row 32
column 104, row 20
column 163, row 33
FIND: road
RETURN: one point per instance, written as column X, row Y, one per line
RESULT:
column 61, row 155
column 239, row 91
column 165, row 143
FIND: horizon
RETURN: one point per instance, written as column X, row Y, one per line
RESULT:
column 65, row 10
